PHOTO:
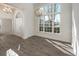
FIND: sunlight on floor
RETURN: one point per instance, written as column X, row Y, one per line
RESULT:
column 10, row 52
column 64, row 48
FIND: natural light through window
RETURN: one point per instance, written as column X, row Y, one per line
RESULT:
column 57, row 11
column 50, row 18
column 10, row 52
column 46, row 18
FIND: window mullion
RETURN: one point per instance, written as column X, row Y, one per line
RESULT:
column 44, row 24
column 52, row 18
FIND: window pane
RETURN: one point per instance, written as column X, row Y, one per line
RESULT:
column 57, row 18
column 56, row 29
column 48, row 29
column 46, row 18
column 41, row 25
column 41, row 29
column 57, row 8
column 46, row 9
column 42, row 17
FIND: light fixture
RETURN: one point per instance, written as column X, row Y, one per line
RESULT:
column 39, row 11
column 7, row 10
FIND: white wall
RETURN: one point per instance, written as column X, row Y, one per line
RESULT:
column 65, row 26
column 75, row 39
column 27, row 9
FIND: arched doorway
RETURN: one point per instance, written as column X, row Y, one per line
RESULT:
column 11, row 20
column 18, row 23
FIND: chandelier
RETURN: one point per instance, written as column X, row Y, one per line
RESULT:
column 6, row 9
column 39, row 11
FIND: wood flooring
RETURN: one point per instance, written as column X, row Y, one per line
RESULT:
column 33, row 46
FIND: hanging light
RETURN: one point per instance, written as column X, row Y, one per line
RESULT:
column 7, row 10
column 39, row 11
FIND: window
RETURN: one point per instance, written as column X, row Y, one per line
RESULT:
column 57, row 12
column 50, row 18
column 46, row 18
column 41, row 23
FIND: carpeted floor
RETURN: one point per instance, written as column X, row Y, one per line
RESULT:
column 33, row 46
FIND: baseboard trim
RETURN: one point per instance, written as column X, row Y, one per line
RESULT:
column 26, row 37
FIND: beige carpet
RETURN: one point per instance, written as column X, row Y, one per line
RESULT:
column 33, row 46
